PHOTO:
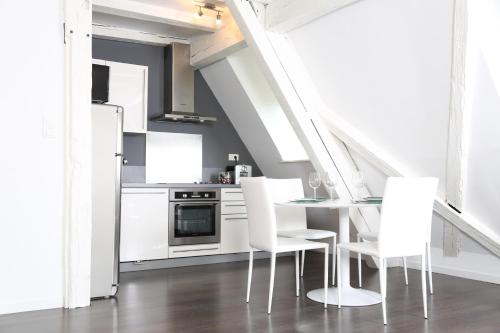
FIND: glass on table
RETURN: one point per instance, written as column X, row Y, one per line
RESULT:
column 314, row 182
column 330, row 182
column 359, row 184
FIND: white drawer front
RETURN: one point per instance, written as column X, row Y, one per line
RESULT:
column 193, row 250
column 233, row 207
column 232, row 194
column 234, row 234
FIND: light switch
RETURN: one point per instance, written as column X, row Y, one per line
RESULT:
column 49, row 130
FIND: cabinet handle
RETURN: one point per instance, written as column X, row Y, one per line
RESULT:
column 234, row 192
column 236, row 218
column 144, row 192
column 196, row 250
column 229, row 205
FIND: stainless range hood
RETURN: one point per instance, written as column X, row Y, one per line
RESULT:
column 179, row 87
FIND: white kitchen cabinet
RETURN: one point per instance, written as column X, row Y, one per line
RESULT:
column 234, row 222
column 144, row 224
column 231, row 194
column 234, row 233
column 233, row 207
column 183, row 251
column 128, row 87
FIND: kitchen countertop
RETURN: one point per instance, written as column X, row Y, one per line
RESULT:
column 178, row 185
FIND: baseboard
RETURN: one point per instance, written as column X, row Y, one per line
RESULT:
column 31, row 305
column 468, row 265
column 192, row 261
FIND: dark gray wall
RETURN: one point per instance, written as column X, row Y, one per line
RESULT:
column 219, row 139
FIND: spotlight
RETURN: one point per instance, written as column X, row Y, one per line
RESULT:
column 218, row 19
column 199, row 13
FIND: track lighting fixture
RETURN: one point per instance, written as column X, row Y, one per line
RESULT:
column 209, row 6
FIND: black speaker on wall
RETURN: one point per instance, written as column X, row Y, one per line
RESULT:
column 100, row 83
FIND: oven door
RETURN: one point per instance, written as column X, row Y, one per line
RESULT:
column 194, row 223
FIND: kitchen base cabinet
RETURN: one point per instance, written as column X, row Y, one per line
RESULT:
column 234, row 222
column 144, row 224
column 234, row 233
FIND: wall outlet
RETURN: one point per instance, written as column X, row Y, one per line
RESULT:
column 232, row 157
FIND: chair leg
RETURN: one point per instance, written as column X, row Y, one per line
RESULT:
column 429, row 268
column 339, row 281
column 326, row 277
column 359, row 264
column 334, row 255
column 250, row 270
column 271, row 282
column 424, row 286
column 297, row 273
column 406, row 270
column 383, row 284
column 302, row 266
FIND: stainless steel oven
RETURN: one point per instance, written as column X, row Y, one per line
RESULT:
column 194, row 216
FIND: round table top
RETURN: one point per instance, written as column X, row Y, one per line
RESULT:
column 331, row 204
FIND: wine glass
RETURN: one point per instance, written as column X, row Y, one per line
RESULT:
column 314, row 182
column 358, row 182
column 330, row 182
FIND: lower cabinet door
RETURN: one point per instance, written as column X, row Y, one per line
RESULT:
column 234, row 233
column 144, row 225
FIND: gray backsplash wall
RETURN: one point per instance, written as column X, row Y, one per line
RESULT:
column 219, row 139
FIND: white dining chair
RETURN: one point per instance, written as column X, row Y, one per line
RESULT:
column 404, row 223
column 292, row 221
column 262, row 234
column 372, row 237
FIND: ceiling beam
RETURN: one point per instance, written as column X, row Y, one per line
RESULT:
column 456, row 162
column 284, row 15
column 146, row 12
column 208, row 49
column 129, row 35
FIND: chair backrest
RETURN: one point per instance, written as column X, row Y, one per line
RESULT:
column 406, row 215
column 283, row 190
column 262, row 232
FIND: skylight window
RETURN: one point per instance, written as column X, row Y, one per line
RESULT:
column 269, row 110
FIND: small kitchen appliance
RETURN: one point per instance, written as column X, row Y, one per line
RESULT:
column 242, row 170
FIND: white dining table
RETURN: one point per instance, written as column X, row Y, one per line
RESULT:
column 350, row 296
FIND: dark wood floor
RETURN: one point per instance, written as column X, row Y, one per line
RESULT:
column 210, row 298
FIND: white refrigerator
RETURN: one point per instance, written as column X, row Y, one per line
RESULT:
column 107, row 155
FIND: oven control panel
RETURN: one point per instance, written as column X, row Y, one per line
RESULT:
column 179, row 195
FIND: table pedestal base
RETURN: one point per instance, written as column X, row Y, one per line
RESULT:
column 350, row 296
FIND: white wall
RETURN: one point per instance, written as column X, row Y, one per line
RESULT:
column 384, row 66
column 31, row 176
column 482, row 195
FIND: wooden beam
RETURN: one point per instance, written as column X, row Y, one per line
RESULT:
column 147, row 12
column 326, row 152
column 285, row 15
column 456, row 162
column 207, row 49
column 129, row 35
column 457, row 134
column 77, row 153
